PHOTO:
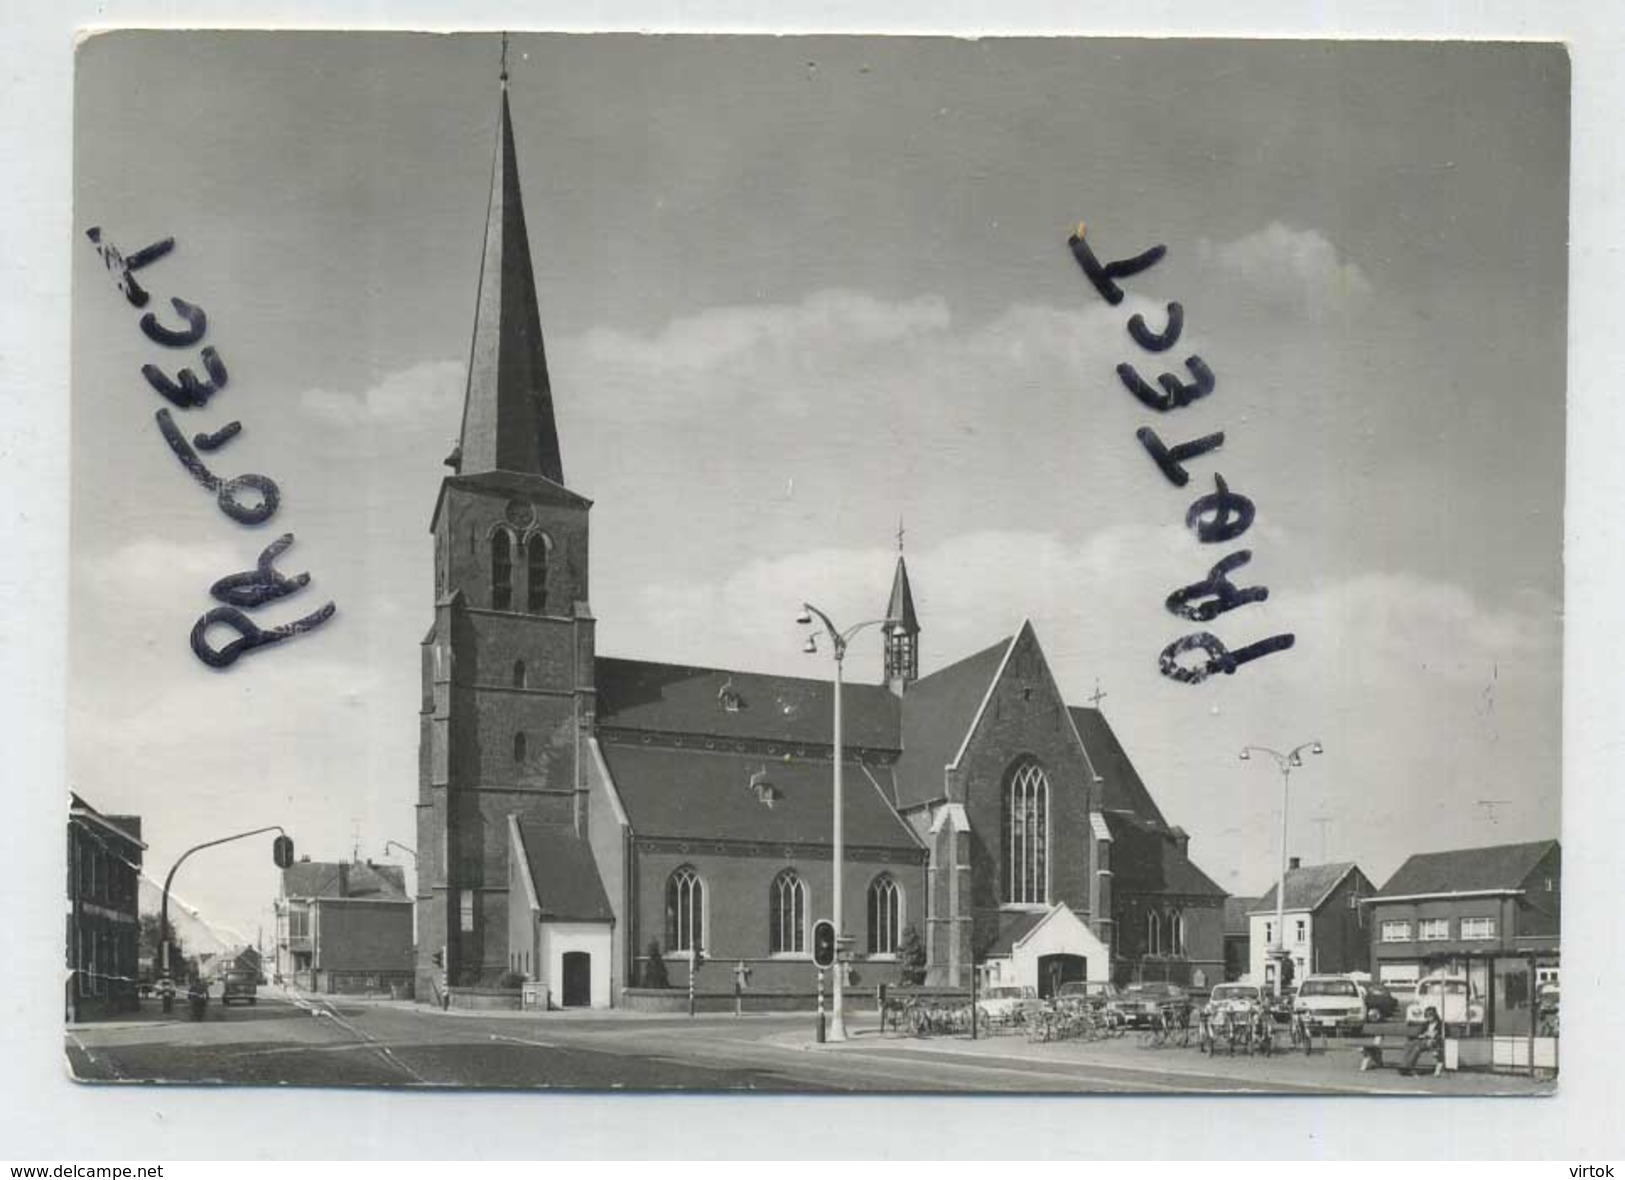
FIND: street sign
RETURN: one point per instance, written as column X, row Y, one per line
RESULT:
column 823, row 940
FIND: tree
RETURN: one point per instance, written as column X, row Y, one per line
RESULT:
column 654, row 970
column 911, row 956
column 150, row 940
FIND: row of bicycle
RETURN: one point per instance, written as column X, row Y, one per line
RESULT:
column 1212, row 1029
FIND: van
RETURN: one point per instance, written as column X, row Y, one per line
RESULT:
column 239, row 985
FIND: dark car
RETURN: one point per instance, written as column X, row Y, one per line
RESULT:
column 1280, row 1006
column 1140, row 1003
column 1097, row 995
column 1380, row 1003
column 239, row 985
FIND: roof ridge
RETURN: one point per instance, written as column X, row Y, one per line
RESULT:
column 706, row 668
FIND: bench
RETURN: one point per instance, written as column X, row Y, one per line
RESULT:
column 1371, row 1054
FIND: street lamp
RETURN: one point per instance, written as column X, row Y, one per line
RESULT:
column 282, row 852
column 1287, row 763
column 838, row 640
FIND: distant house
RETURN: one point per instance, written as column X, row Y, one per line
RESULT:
column 104, row 923
column 1485, row 913
column 1325, row 924
column 1237, row 936
column 345, row 927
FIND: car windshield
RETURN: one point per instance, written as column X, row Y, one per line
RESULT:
column 1454, row 987
column 1004, row 993
column 1328, row 987
column 1227, row 992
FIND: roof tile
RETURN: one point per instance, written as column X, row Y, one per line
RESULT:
column 1503, row 866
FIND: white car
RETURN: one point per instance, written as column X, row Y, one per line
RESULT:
column 1453, row 997
column 1332, row 1003
column 1006, row 1002
column 1235, row 997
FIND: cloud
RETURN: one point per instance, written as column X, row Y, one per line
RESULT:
column 1283, row 267
column 430, row 392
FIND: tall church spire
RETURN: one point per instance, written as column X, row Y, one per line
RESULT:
column 508, row 407
column 902, row 629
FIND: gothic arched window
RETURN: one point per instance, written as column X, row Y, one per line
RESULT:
column 536, row 573
column 501, row 570
column 885, row 915
column 520, row 680
column 518, row 747
column 685, row 910
column 1176, row 932
column 787, row 915
column 1153, row 932
column 1026, row 835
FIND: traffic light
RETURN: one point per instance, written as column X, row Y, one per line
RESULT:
column 282, row 851
column 823, row 943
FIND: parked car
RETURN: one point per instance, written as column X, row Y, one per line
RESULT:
column 1008, row 1001
column 1096, row 994
column 1333, row 1003
column 1235, row 998
column 239, row 985
column 1141, row 1002
column 1280, row 1006
column 1459, row 1005
column 1380, row 1003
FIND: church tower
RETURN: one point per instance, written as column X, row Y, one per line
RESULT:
column 508, row 664
column 902, row 630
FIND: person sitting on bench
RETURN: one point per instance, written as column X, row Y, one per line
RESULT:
column 1430, row 1038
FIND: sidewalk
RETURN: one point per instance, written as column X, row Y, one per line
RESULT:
column 1334, row 1065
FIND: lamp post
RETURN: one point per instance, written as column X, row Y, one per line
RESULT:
column 163, row 905
column 838, row 640
column 1287, row 763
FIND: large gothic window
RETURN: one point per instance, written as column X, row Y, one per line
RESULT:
column 685, row 910
column 1026, row 836
column 501, row 570
column 885, row 911
column 787, row 915
column 536, row 573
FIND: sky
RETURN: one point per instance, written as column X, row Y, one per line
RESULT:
column 793, row 291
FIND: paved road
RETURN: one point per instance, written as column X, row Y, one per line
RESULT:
column 309, row 1042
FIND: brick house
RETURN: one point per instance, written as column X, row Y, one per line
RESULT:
column 104, row 920
column 1491, row 914
column 1326, row 926
column 344, row 927
column 699, row 799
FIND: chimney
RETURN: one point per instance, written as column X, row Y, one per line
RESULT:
column 1294, row 862
column 344, row 880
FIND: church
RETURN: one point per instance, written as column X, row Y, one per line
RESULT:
column 580, row 815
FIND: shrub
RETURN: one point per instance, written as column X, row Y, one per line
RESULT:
column 510, row 981
column 911, row 957
column 654, row 969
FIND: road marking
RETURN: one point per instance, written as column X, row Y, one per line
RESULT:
column 526, row 1041
column 325, row 1008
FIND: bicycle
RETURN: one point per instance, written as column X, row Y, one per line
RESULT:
column 1302, row 1035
